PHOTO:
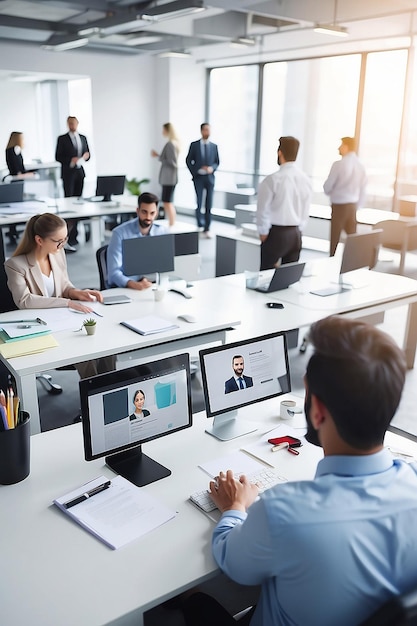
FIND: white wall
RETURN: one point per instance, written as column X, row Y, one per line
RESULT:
column 131, row 98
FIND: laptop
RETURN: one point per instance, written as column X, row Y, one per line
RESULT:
column 11, row 192
column 283, row 277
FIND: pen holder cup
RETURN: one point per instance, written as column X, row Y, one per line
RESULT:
column 15, row 452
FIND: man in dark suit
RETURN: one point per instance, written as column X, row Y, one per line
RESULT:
column 71, row 151
column 202, row 161
column 238, row 381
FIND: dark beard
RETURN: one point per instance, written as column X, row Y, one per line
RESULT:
column 312, row 435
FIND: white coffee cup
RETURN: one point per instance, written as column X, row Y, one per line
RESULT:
column 159, row 294
column 288, row 408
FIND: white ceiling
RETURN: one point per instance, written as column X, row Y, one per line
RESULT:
column 275, row 26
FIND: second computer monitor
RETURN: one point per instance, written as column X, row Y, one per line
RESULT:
column 239, row 374
column 361, row 250
column 148, row 255
column 110, row 185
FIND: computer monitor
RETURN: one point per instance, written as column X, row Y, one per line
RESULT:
column 11, row 192
column 360, row 250
column 148, row 255
column 265, row 375
column 112, row 426
column 110, row 185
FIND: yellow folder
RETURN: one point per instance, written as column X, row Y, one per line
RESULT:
column 27, row 346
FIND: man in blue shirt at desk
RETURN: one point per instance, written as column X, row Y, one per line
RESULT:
column 142, row 226
column 330, row 550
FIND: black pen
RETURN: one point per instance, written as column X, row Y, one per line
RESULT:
column 87, row 494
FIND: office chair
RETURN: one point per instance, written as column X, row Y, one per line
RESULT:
column 399, row 235
column 398, row 611
column 7, row 304
column 101, row 258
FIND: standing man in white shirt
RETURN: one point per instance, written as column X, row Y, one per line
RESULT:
column 346, row 186
column 283, row 207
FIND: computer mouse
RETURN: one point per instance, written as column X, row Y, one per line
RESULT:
column 187, row 317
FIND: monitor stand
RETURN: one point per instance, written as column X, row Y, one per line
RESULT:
column 136, row 467
column 339, row 287
column 228, row 426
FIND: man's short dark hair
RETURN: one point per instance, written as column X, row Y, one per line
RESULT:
column 237, row 356
column 358, row 372
column 204, row 124
column 289, row 147
column 147, row 198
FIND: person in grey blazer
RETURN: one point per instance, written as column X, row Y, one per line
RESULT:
column 202, row 161
column 168, row 174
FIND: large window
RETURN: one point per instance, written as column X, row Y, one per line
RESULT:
column 314, row 100
column 233, row 110
column 381, row 123
column 318, row 101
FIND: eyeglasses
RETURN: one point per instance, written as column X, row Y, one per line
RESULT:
column 59, row 242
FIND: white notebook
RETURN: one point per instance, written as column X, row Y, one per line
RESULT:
column 149, row 325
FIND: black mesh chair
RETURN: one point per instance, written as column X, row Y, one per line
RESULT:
column 398, row 611
column 101, row 257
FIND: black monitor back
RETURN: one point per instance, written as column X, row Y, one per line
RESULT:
column 11, row 192
column 361, row 250
column 148, row 255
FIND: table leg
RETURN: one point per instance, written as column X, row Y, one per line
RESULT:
column 410, row 335
column 26, row 390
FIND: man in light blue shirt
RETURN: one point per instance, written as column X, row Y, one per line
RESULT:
column 142, row 226
column 328, row 551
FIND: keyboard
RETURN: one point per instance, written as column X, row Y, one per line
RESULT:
column 265, row 479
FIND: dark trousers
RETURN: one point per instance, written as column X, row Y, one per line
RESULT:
column 73, row 187
column 201, row 183
column 283, row 242
column 201, row 609
column 343, row 218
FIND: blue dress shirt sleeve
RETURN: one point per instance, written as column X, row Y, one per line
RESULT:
column 115, row 276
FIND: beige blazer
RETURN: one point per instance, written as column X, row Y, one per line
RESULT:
column 24, row 279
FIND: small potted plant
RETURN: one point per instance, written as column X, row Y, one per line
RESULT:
column 90, row 326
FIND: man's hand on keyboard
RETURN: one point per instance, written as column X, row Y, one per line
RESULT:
column 230, row 493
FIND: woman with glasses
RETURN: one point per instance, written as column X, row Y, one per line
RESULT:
column 37, row 272
column 37, row 277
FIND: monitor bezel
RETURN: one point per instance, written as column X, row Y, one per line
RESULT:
column 124, row 377
column 232, row 346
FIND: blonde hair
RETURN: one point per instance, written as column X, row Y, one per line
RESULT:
column 15, row 139
column 172, row 135
column 43, row 225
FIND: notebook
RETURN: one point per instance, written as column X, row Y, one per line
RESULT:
column 283, row 277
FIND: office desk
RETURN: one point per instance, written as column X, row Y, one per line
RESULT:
column 55, row 572
column 68, row 208
column 378, row 292
column 218, row 304
column 111, row 338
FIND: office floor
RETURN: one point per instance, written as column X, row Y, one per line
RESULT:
column 60, row 410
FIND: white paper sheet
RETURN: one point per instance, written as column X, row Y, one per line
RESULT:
column 117, row 515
